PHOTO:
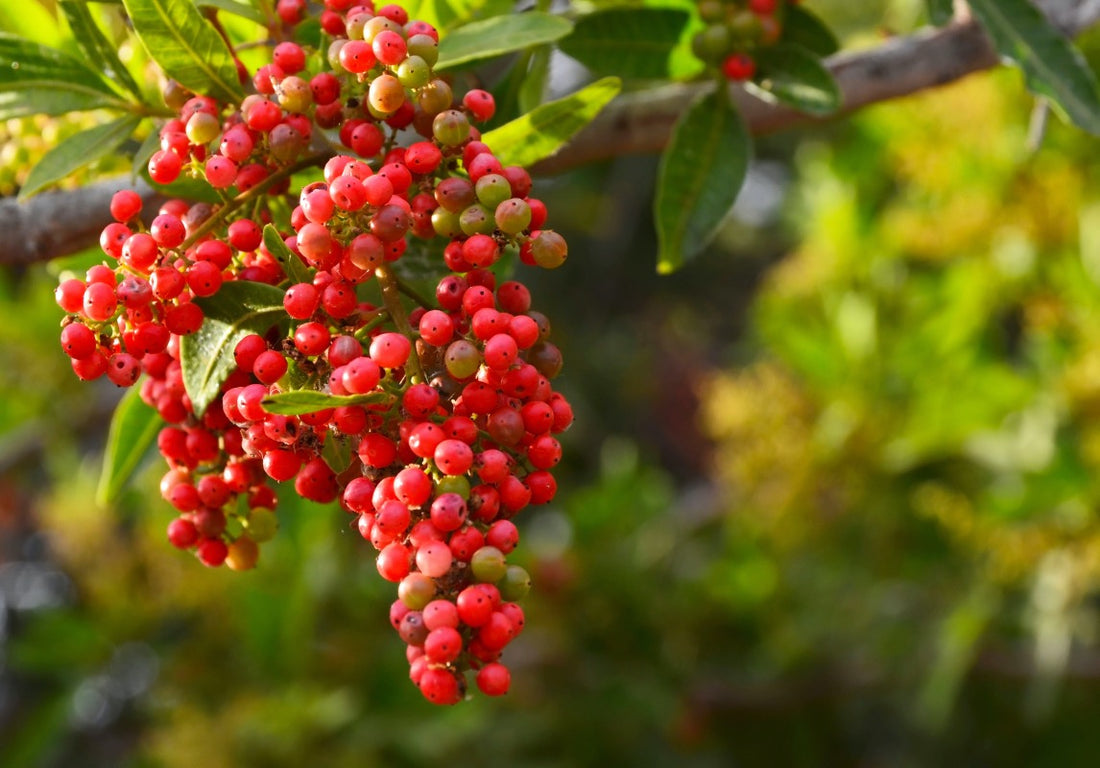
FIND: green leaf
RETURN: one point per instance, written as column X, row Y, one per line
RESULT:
column 98, row 50
column 36, row 79
column 293, row 267
column 77, row 151
column 940, row 11
column 629, row 42
column 792, row 75
column 134, row 428
column 336, row 452
column 139, row 167
column 802, row 27
column 541, row 132
column 244, row 10
column 534, row 81
column 499, row 35
column 299, row 401
column 1053, row 66
column 699, row 176
column 236, row 310
column 185, row 46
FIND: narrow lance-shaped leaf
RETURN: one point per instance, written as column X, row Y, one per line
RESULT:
column 700, row 174
column 244, row 10
column 96, row 47
column 299, row 401
column 801, row 27
column 541, row 132
column 77, row 151
column 134, row 428
column 629, row 42
column 36, row 79
column 236, row 310
column 499, row 35
column 534, row 82
column 792, row 75
column 185, row 46
column 1053, row 66
column 292, row 266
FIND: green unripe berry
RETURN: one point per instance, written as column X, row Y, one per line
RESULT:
column 461, row 359
column 451, row 127
column 513, row 216
column 492, row 189
column 453, row 484
column 711, row 10
column 414, row 72
column 712, row 44
column 261, row 524
column 476, row 220
column 333, row 56
column 202, row 128
column 435, row 97
column 744, row 28
column 425, row 47
column 488, row 565
column 445, row 223
column 516, row 583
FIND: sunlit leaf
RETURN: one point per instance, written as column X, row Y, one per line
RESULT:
column 244, row 10
column 98, row 50
column 499, row 35
column 185, row 46
column 36, row 79
column 299, row 401
column 541, row 132
column 78, row 151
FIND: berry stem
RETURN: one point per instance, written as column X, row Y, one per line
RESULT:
column 252, row 194
column 413, row 293
column 391, row 297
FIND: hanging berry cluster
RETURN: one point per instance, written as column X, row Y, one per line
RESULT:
column 443, row 411
column 735, row 30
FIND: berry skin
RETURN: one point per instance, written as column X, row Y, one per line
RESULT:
column 494, row 679
column 738, row 67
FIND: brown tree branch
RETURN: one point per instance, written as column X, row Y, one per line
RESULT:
column 641, row 122
column 56, row 224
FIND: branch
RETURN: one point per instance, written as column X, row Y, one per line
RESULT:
column 641, row 122
column 56, row 224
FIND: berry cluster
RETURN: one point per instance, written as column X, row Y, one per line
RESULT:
column 432, row 425
column 735, row 29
